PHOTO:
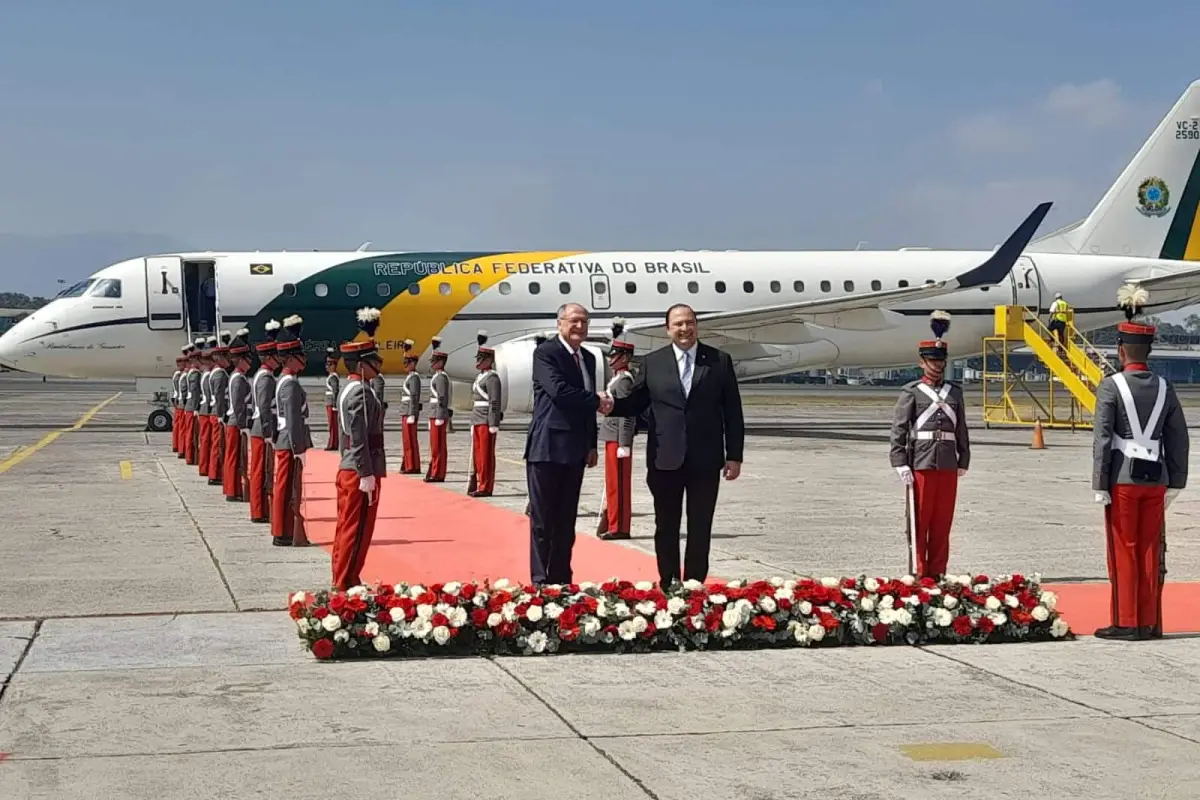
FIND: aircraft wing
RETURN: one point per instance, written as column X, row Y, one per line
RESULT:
column 862, row 311
column 1187, row 280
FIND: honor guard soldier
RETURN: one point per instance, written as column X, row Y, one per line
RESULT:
column 380, row 388
column 332, row 384
column 176, row 406
column 262, row 424
column 410, row 412
column 930, row 450
column 617, row 435
column 291, row 436
column 439, row 413
column 485, row 421
column 237, row 415
column 218, row 388
column 364, row 462
column 192, row 405
column 204, row 411
column 1139, row 465
column 185, row 353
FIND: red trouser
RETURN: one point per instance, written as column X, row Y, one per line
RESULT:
column 258, row 479
column 483, row 444
column 229, row 470
column 282, row 521
column 935, row 491
column 412, row 448
column 618, row 489
column 189, row 437
column 216, row 455
column 331, row 416
column 205, row 442
column 176, row 417
column 437, row 450
column 1133, row 530
column 355, row 527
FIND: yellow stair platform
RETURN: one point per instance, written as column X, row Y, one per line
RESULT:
column 1076, row 367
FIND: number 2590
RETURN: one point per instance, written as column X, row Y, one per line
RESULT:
column 1188, row 134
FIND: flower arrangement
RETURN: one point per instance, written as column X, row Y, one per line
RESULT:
column 619, row 616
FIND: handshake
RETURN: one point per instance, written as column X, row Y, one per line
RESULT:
column 606, row 403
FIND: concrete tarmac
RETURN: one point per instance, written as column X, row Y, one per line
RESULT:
column 145, row 651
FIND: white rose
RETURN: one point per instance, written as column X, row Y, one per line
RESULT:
column 621, row 610
column 676, row 605
column 509, row 612
column 887, row 616
column 887, row 601
column 736, row 584
column 963, row 580
column 534, row 613
column 424, row 611
column 415, row 591
column 942, row 618
column 903, row 617
column 1049, row 600
column 331, row 622
column 871, row 585
column 586, row 587
column 298, row 597
column 644, row 586
column 692, row 584
column 800, row 633
column 997, row 618
column 1011, row 601
column 816, row 632
column 776, row 582
column 646, row 607
column 767, row 604
column 639, row 624
column 950, row 601
column 602, row 609
column 302, row 624
column 421, row 629
column 992, row 604
column 502, row 584
column 718, row 599
column 494, row 619
column 867, row 604
column 480, row 599
column 697, row 622
column 441, row 634
column 783, row 593
column 553, row 610
column 452, row 587
column 731, row 618
column 1040, row 613
column 625, row 631
column 342, row 636
column 1059, row 628
column 357, row 591
column 805, row 607
column 382, row 643
column 829, row 583
column 663, row 620
column 908, row 580
column 591, row 626
column 371, row 629
column 537, row 642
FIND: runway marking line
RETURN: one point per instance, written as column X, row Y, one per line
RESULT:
column 950, row 751
column 126, row 470
column 21, row 455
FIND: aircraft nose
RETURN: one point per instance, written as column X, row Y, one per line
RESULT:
column 9, row 356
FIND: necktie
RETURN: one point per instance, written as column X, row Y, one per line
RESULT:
column 686, row 378
column 578, row 366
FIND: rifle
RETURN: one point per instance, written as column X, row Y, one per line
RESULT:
column 295, row 499
column 910, row 525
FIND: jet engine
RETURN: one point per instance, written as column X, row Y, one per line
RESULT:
column 514, row 365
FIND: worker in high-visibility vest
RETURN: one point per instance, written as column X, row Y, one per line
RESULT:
column 1058, row 319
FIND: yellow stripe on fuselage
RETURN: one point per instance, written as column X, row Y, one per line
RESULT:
column 421, row 316
column 1192, row 251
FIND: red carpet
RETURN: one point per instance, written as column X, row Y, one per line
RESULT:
column 433, row 532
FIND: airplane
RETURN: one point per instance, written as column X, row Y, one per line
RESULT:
column 775, row 312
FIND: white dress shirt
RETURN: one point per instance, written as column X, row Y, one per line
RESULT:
column 681, row 364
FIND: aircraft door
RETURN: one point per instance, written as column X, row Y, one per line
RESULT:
column 600, row 292
column 164, row 300
column 1026, row 284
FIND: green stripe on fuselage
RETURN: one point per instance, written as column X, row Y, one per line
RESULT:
column 1175, row 245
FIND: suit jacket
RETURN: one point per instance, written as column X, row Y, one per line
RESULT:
column 563, row 429
column 702, row 430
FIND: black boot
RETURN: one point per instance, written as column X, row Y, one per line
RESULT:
column 1117, row 632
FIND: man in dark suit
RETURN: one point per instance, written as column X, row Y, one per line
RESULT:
column 561, row 441
column 696, row 434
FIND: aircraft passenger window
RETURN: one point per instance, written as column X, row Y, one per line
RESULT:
column 902, row 284
column 798, row 286
column 662, row 287
column 443, row 289
column 320, row 290
column 475, row 288
column 107, row 288
column 535, row 287
column 414, row 287
column 876, row 286
column 720, row 287
column 630, row 287
column 383, row 289
column 505, row 288
column 289, row 290
column 928, row 281
column 776, row 287
column 564, row 287
column 848, row 286
column 352, row 290
column 747, row 286
column 825, row 287
column 693, row 287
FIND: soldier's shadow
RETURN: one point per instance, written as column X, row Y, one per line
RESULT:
column 398, row 542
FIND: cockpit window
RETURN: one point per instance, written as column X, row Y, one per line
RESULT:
column 78, row 289
column 106, row 287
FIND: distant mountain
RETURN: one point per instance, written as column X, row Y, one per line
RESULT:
column 34, row 264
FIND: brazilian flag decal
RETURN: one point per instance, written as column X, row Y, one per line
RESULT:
column 261, row 269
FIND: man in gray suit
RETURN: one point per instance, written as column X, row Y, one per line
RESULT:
column 1139, row 465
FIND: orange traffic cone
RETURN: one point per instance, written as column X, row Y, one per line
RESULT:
column 1039, row 442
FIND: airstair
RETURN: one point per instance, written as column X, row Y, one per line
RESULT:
column 1013, row 397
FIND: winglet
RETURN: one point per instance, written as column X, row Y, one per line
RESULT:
column 1001, row 262
column 362, row 248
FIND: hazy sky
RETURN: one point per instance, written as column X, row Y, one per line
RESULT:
column 520, row 124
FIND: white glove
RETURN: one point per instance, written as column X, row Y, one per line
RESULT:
column 366, row 484
column 1171, row 495
column 493, row 430
column 439, row 422
column 410, row 420
column 622, row 452
column 302, row 456
column 1103, row 498
column 906, row 476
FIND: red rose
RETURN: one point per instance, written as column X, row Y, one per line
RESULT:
column 568, row 618
column 296, row 610
column 439, row 621
column 986, row 625
column 962, row 625
column 467, row 590
column 479, row 617
column 321, row 612
column 347, row 617
column 322, row 648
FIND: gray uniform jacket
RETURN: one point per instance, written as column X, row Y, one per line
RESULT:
column 485, row 399
column 175, row 387
column 619, row 429
column 360, row 417
column 218, row 390
column 380, row 388
column 239, row 401
column 439, row 396
column 262, row 423
column 291, row 406
column 929, row 428
column 1113, row 439
column 205, row 394
column 193, row 390
column 410, row 396
column 331, row 390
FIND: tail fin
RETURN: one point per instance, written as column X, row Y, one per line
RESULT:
column 1152, row 210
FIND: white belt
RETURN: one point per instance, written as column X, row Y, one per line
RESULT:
column 1131, row 449
column 482, row 402
column 939, row 436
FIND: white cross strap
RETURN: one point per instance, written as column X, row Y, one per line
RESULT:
column 1140, row 445
column 939, row 402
